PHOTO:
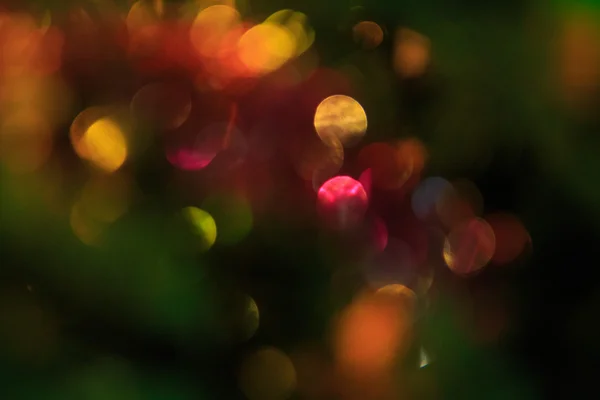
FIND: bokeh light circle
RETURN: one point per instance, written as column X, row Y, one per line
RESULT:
column 81, row 123
column 411, row 53
column 367, row 34
column 343, row 117
column 296, row 23
column 266, row 47
column 371, row 334
column 203, row 225
column 469, row 246
column 210, row 29
column 105, row 145
column 342, row 202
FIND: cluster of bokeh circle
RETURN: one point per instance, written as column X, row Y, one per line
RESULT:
column 378, row 193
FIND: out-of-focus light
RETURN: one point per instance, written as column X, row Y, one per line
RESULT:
column 233, row 216
column 189, row 159
column 511, row 237
column 343, row 117
column 161, row 104
column 411, row 53
column 396, row 264
column 427, row 195
column 266, row 47
column 371, row 335
column 210, row 29
column 469, row 246
column 80, row 125
column 399, row 293
column 267, row 373
column 367, row 34
column 203, row 225
column 342, row 202
column 423, row 358
column 105, row 145
column 296, row 23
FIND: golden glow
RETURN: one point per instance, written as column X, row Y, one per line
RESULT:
column 80, row 125
column 267, row 374
column 105, row 145
column 203, row 224
column 398, row 291
column 211, row 28
column 266, row 47
column 343, row 117
column 411, row 53
column 297, row 24
column 368, row 34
